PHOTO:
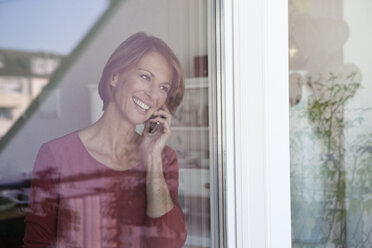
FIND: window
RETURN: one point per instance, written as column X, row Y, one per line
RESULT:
column 43, row 66
column 330, row 123
column 2, row 63
column 63, row 89
column 32, row 54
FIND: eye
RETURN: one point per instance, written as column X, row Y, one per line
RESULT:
column 165, row 88
column 145, row 77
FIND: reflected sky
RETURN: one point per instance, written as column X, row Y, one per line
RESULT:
column 47, row 25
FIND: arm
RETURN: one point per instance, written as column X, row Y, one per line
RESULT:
column 159, row 201
column 165, row 222
column 41, row 217
column 168, row 229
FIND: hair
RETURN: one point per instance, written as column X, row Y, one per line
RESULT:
column 129, row 53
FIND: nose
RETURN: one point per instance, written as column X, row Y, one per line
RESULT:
column 150, row 91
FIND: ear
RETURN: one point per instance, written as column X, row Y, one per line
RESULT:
column 114, row 79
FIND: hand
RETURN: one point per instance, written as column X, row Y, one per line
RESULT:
column 152, row 144
column 155, row 141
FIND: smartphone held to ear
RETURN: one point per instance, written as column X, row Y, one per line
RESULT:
column 154, row 126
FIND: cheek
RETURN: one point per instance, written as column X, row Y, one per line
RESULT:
column 162, row 100
column 120, row 96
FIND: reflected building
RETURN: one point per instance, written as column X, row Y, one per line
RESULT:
column 23, row 74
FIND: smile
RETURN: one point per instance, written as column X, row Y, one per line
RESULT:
column 141, row 104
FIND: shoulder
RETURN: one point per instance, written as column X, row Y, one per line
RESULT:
column 50, row 155
column 62, row 144
column 64, row 140
column 57, row 153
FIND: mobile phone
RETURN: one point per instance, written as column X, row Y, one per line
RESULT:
column 155, row 125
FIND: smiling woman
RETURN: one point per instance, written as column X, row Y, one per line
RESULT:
column 146, row 86
column 130, row 164
column 128, row 55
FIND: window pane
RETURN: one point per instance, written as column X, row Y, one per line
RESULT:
column 330, row 123
column 98, row 195
column 35, row 39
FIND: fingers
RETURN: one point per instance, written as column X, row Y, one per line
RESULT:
column 164, row 114
column 164, row 111
column 161, row 120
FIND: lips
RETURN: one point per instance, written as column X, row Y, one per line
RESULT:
column 141, row 104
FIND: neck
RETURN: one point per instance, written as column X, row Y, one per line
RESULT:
column 112, row 134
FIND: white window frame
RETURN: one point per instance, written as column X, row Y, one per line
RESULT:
column 255, row 125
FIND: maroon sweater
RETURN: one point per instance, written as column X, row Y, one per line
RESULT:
column 76, row 201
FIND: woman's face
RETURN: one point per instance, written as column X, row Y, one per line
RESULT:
column 143, row 89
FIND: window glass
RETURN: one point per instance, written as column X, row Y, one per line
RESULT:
column 1, row 61
column 35, row 39
column 330, row 123
column 56, row 171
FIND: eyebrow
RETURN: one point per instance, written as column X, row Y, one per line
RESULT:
column 152, row 74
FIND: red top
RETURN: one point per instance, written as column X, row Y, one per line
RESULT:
column 76, row 201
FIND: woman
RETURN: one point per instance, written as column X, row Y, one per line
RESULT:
column 107, row 185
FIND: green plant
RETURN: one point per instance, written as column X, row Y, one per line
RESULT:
column 329, row 186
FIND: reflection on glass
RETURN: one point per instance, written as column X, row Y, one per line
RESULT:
column 29, row 55
column 23, row 75
column 73, row 103
column 330, row 124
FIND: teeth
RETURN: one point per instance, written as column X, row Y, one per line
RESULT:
column 141, row 104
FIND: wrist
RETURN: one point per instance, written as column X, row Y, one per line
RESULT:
column 153, row 162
